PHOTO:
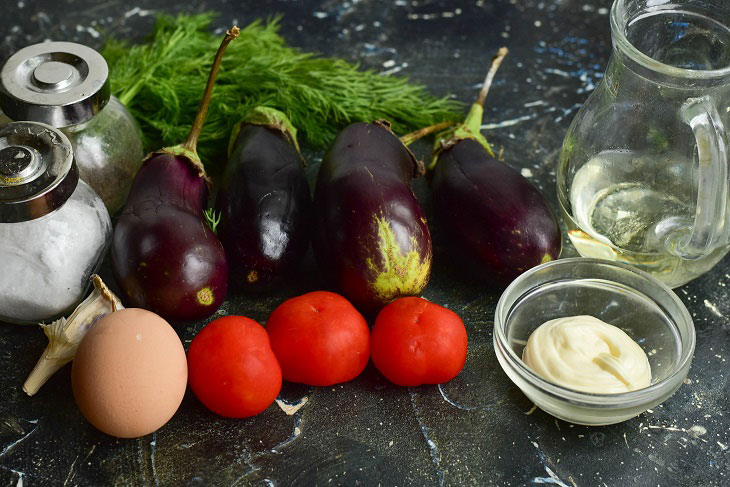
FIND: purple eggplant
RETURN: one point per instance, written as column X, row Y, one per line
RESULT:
column 495, row 223
column 165, row 257
column 264, row 202
column 370, row 234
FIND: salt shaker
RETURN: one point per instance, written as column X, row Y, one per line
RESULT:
column 66, row 85
column 54, row 228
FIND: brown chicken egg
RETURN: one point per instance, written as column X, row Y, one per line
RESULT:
column 130, row 373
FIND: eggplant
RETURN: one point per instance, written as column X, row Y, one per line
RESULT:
column 165, row 257
column 495, row 223
column 370, row 236
column 264, row 202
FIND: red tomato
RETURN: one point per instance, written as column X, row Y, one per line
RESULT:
column 232, row 369
column 319, row 338
column 416, row 342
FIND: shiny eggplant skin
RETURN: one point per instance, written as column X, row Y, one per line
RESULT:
column 265, row 208
column 371, row 237
column 494, row 222
column 164, row 256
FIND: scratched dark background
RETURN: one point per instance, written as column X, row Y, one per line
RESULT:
column 476, row 430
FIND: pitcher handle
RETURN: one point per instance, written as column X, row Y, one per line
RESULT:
column 708, row 229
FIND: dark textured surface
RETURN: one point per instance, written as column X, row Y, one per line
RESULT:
column 477, row 429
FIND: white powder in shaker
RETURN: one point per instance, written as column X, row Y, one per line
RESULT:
column 46, row 263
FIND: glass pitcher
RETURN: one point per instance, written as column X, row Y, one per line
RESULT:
column 643, row 176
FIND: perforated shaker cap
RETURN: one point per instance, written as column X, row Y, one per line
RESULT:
column 58, row 83
column 37, row 171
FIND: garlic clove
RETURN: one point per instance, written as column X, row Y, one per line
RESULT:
column 65, row 334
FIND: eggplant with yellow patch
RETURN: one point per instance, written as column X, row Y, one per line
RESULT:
column 370, row 237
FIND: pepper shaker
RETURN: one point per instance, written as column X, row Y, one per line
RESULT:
column 54, row 228
column 66, row 85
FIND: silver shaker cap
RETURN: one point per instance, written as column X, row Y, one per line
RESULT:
column 37, row 171
column 58, row 83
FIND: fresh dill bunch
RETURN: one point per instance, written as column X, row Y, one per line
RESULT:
column 161, row 82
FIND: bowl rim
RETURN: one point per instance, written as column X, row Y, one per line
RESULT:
column 587, row 399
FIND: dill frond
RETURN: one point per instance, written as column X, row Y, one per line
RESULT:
column 161, row 82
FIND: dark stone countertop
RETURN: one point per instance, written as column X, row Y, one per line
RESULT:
column 478, row 429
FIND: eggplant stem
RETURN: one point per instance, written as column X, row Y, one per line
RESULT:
column 496, row 61
column 408, row 139
column 191, row 142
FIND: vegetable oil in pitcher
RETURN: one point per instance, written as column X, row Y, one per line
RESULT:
column 643, row 175
column 625, row 204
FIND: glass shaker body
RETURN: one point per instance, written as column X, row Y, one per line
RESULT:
column 643, row 176
column 48, row 261
column 108, row 152
column 54, row 228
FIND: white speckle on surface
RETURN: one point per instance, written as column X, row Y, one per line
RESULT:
column 394, row 69
column 713, row 308
column 698, row 430
column 137, row 11
column 432, row 16
column 551, row 479
column 507, row 123
column 450, row 401
column 538, row 23
column 603, row 11
column 296, row 432
column 665, row 428
column 138, row 337
column 21, row 477
column 722, row 446
column 389, row 63
column 10, row 446
column 435, row 453
column 559, row 72
column 321, row 15
column 290, row 409
column 526, row 172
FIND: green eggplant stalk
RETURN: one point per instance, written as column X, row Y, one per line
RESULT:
column 495, row 223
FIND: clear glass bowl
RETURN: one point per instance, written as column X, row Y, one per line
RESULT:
column 647, row 310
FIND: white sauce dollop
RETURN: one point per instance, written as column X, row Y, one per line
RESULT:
column 587, row 354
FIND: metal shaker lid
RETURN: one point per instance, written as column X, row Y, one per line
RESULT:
column 37, row 171
column 58, row 83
